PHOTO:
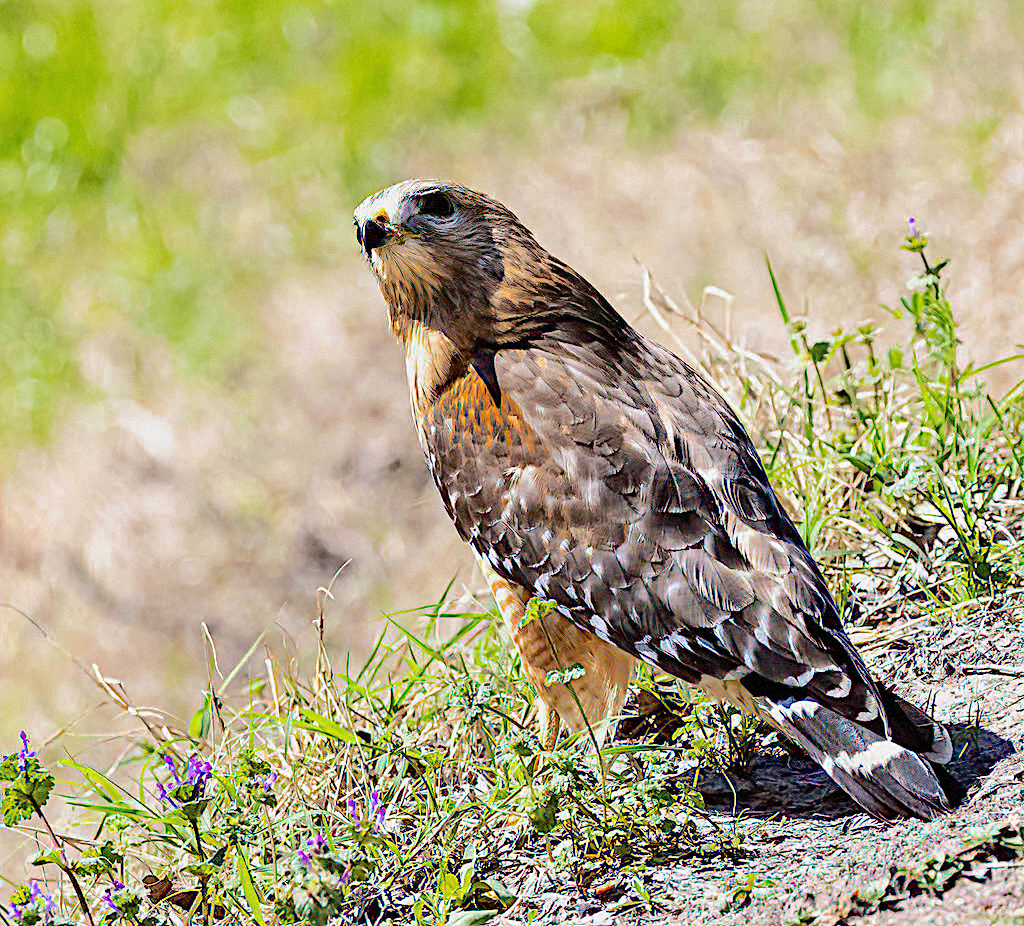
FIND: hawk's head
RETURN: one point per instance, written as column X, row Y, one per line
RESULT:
column 437, row 249
column 458, row 261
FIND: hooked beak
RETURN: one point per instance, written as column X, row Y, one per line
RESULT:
column 372, row 233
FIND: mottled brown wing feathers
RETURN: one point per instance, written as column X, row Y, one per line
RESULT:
column 621, row 487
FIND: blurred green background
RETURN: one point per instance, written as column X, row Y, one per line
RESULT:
column 202, row 414
column 99, row 102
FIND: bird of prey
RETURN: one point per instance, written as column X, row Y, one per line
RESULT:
column 590, row 467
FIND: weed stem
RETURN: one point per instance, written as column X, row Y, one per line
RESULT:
column 63, row 864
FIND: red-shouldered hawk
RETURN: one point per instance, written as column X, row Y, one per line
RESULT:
column 591, row 467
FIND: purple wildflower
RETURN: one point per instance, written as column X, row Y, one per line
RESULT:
column 344, row 876
column 315, row 844
column 198, row 775
column 164, row 796
column 913, row 227
column 39, row 900
column 377, row 810
column 169, row 762
column 352, row 809
column 118, row 886
column 37, row 894
column 24, row 754
column 269, row 780
column 109, row 901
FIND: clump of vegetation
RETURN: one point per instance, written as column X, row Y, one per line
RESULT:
column 407, row 791
column 901, row 469
column 414, row 789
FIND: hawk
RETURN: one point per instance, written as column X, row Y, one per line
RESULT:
column 592, row 468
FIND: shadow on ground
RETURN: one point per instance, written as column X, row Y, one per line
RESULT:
column 778, row 783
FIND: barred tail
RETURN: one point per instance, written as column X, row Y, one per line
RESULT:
column 886, row 779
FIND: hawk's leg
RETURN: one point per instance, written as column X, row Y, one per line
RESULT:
column 554, row 642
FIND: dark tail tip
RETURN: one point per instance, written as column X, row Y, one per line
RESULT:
column 886, row 779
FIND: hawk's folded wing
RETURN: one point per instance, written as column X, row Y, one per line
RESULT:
column 639, row 505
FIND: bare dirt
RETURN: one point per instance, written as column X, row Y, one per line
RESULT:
column 809, row 855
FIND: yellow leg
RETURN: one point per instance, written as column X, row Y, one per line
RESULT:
column 556, row 643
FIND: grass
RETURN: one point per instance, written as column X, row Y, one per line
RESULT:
column 433, row 774
column 413, row 789
column 885, row 449
column 126, row 131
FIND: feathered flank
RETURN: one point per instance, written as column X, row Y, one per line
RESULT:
column 593, row 468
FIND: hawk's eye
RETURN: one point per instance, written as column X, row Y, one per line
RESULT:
column 436, row 204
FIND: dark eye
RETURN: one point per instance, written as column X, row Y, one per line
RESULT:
column 436, row 204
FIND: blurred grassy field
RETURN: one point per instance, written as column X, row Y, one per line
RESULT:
column 100, row 100
column 202, row 415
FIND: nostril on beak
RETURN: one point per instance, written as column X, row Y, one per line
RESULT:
column 371, row 235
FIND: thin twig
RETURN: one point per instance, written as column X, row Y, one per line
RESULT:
column 985, row 668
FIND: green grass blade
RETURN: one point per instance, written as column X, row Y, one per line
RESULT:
column 318, row 723
column 252, row 896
